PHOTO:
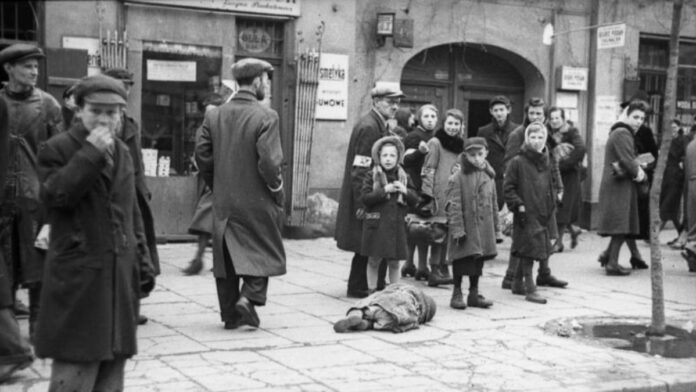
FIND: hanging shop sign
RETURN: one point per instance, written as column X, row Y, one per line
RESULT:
column 613, row 36
column 171, row 71
column 573, row 78
column 332, row 92
column 254, row 40
column 290, row 8
column 91, row 45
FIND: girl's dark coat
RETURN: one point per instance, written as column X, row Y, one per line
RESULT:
column 570, row 175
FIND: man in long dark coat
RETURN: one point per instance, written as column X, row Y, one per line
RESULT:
column 34, row 116
column 239, row 155
column 371, row 127
column 89, row 302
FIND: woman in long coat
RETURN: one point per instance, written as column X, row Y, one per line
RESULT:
column 673, row 181
column 568, row 139
column 618, row 192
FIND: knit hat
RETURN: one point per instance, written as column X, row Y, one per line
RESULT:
column 387, row 140
column 379, row 178
column 536, row 126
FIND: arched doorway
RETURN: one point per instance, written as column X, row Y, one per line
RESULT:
column 463, row 76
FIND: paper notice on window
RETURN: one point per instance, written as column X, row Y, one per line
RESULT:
column 171, row 71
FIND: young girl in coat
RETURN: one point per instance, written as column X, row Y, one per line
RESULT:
column 531, row 194
column 440, row 163
column 472, row 214
column 416, row 146
column 386, row 194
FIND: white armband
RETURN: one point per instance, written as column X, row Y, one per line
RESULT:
column 276, row 189
column 362, row 161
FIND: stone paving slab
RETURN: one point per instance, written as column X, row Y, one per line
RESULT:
column 185, row 348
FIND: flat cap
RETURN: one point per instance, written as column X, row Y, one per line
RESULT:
column 18, row 52
column 498, row 99
column 250, row 68
column 388, row 90
column 121, row 74
column 100, row 89
column 475, row 142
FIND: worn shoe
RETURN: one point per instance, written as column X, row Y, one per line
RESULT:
column 408, row 270
column 21, row 311
column 422, row 274
column 507, row 282
column 616, row 270
column 603, row 258
column 457, row 301
column 550, row 281
column 518, row 287
column 690, row 260
column 194, row 267
column 142, row 320
column 535, row 298
column 351, row 323
column 247, row 313
column 436, row 278
column 357, row 293
column 232, row 324
column 637, row 263
column 477, row 300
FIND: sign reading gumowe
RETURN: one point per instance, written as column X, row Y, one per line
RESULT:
column 267, row 7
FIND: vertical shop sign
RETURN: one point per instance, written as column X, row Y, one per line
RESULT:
column 332, row 92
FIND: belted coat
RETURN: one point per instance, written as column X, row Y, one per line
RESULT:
column 240, row 157
column 89, row 300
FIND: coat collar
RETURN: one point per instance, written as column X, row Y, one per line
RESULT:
column 244, row 95
column 379, row 119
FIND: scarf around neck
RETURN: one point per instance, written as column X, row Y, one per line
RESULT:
column 380, row 180
column 454, row 144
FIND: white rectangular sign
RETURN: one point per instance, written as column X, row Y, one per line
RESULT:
column 171, row 71
column 574, row 78
column 613, row 36
column 332, row 92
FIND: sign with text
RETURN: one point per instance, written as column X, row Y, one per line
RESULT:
column 171, row 71
column 332, row 92
column 267, row 7
column 613, row 36
column 573, row 78
column 91, row 45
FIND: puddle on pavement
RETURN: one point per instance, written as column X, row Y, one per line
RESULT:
column 677, row 342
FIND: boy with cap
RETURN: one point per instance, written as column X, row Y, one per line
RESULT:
column 34, row 116
column 89, row 303
column 349, row 219
column 472, row 216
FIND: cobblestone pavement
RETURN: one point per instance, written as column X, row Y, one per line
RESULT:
column 185, row 348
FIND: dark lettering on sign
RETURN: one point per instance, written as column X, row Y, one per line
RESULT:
column 254, row 40
column 332, row 73
column 331, row 102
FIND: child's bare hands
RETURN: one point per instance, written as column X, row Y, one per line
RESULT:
column 390, row 188
column 423, row 147
column 400, row 187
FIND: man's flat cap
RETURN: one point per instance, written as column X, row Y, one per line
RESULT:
column 100, row 89
column 498, row 99
column 386, row 89
column 121, row 74
column 475, row 142
column 18, row 52
column 250, row 68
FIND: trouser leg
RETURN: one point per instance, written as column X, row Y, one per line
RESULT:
column 228, row 290
column 357, row 279
column 12, row 348
column 614, row 248
column 110, row 376
column 73, row 376
column 255, row 289
column 382, row 275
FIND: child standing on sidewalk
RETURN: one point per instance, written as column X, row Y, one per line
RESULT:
column 472, row 214
column 531, row 196
column 386, row 193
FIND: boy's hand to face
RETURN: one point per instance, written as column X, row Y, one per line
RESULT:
column 101, row 120
column 477, row 156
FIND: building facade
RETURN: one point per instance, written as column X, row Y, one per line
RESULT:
column 453, row 53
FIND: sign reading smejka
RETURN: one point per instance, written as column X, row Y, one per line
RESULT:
column 332, row 92
column 612, row 36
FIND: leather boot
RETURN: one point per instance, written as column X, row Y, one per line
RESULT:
column 550, row 280
column 477, row 300
column 446, row 273
column 408, row 270
column 435, row 279
column 507, row 282
column 457, row 301
column 422, row 274
column 518, row 287
column 194, row 267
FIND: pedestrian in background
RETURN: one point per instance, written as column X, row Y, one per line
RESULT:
column 531, row 194
column 472, row 216
column 618, row 191
column 351, row 211
column 569, row 152
column 416, row 145
column 68, row 107
column 441, row 163
column 386, row 194
column 89, row 302
column 673, row 184
column 34, row 117
column 240, row 157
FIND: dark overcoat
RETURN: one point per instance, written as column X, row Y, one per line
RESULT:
column 413, row 158
column 472, row 211
column 690, row 177
column 497, row 139
column 529, row 182
column 240, row 157
column 618, row 196
column 6, row 292
column 89, row 300
column 673, row 181
column 349, row 226
column 570, row 175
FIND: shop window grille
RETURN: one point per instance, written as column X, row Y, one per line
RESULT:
column 18, row 20
column 260, row 38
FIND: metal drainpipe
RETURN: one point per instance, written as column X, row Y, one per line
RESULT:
column 551, row 90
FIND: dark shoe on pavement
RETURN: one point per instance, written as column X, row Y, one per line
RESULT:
column 142, row 319
column 21, row 311
column 574, row 234
column 422, row 274
column 476, row 300
column 518, row 287
column 557, row 247
column 357, row 293
column 535, row 298
column 616, row 270
column 603, row 258
column 436, row 278
column 457, row 300
column 637, row 263
column 690, row 260
column 194, row 267
column 6, row 371
column 550, row 281
column 507, row 282
column 350, row 323
column 247, row 313
column 408, row 270
column 232, row 324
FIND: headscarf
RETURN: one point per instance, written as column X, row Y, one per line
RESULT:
column 379, row 177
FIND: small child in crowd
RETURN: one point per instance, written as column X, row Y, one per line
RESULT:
column 531, row 195
column 386, row 193
column 472, row 212
column 398, row 308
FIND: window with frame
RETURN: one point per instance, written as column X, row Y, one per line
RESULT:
column 19, row 20
column 260, row 38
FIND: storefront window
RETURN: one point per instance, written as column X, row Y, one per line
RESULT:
column 177, row 78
